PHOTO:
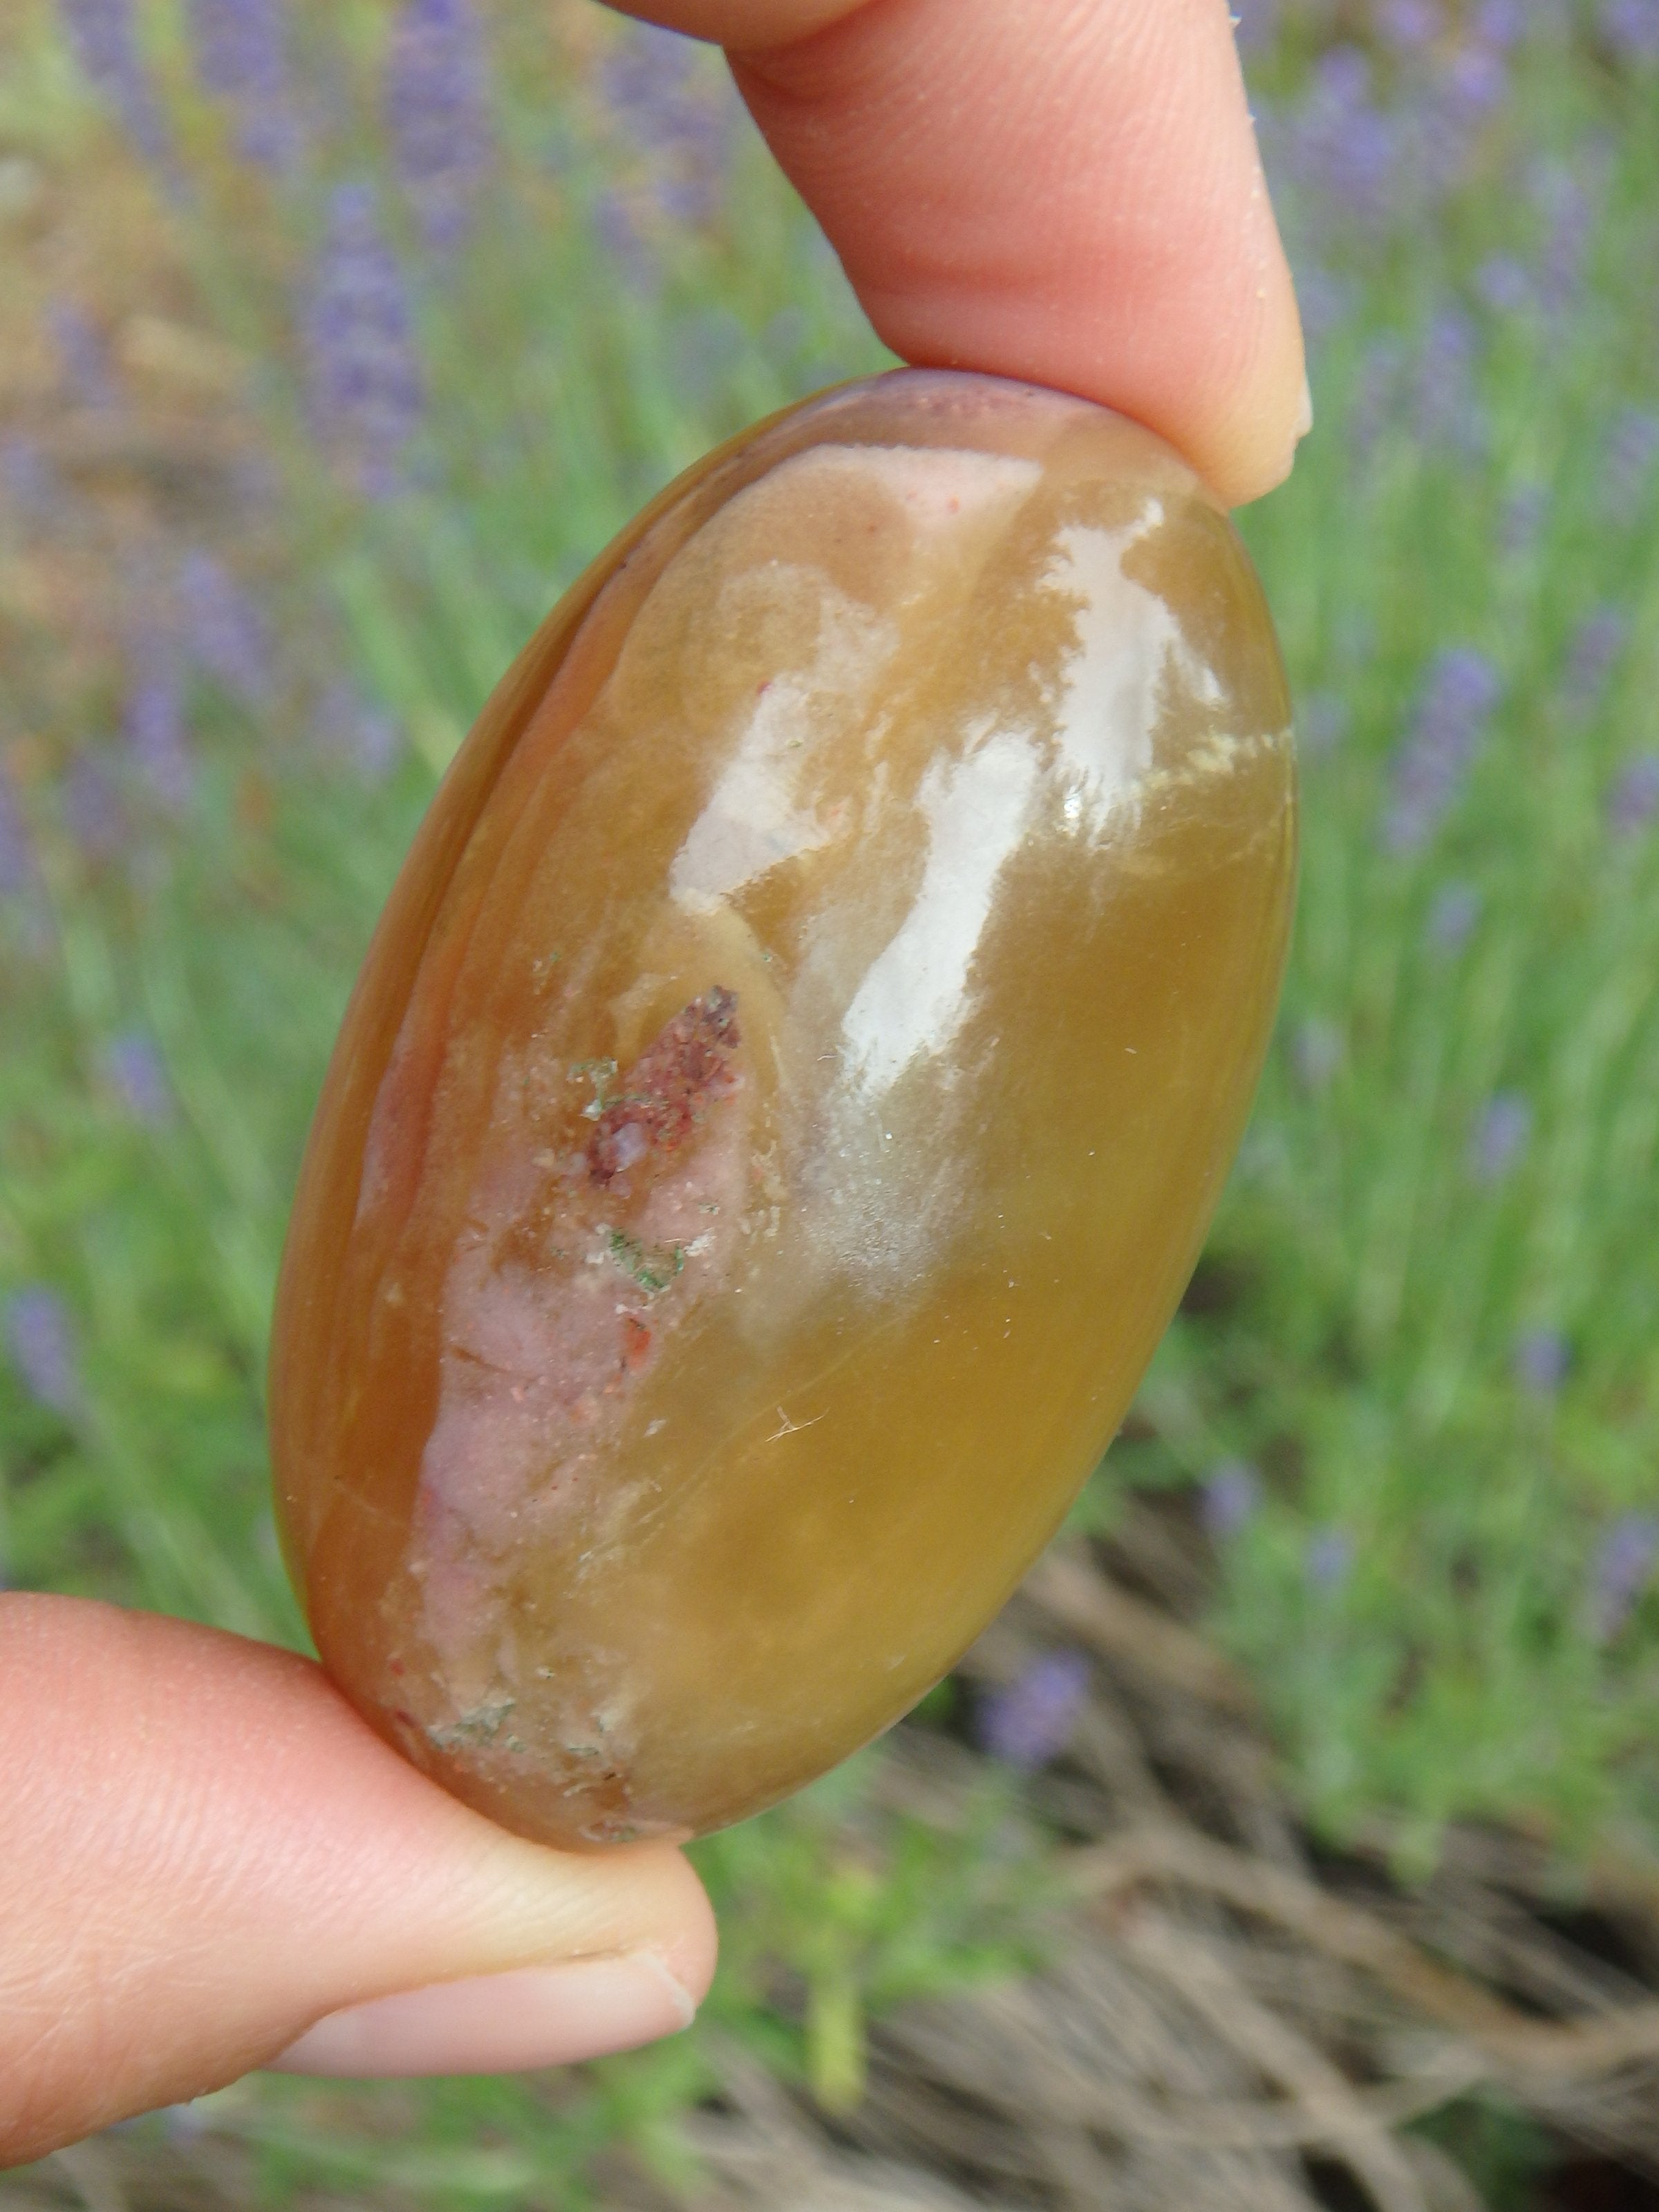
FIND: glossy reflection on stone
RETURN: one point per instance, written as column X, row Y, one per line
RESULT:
column 783, row 1104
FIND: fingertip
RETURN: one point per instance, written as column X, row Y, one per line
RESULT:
column 510, row 2023
column 1071, row 196
column 207, row 1854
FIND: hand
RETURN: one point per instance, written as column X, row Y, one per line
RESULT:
column 207, row 1861
column 1066, row 190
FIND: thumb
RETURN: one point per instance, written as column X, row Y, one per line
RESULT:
column 208, row 1863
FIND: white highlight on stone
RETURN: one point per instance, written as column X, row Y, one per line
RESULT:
column 1128, row 644
column 754, row 819
column 941, row 487
column 914, row 995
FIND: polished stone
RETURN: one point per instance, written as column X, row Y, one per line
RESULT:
column 783, row 1104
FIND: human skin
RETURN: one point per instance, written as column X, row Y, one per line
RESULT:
column 208, row 1863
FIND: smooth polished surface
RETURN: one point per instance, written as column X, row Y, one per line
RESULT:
column 783, row 1104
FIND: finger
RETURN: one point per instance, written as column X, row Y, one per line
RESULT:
column 207, row 1860
column 1065, row 190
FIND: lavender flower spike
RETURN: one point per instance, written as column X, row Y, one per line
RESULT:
column 1232, row 1493
column 135, row 1074
column 1462, row 689
column 16, row 849
column 654, row 84
column 1594, row 653
column 1328, row 1560
column 104, row 36
column 1030, row 1721
column 1630, row 27
column 153, row 726
column 1619, row 1572
column 1500, row 1137
column 363, row 381
column 41, row 1339
column 437, row 114
column 1634, row 800
column 241, row 55
column 83, row 358
column 225, row 630
column 1633, row 449
column 1542, row 1361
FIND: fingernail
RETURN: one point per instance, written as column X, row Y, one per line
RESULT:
column 1304, row 414
column 499, row 2023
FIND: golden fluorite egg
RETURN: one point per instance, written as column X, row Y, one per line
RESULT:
column 783, row 1104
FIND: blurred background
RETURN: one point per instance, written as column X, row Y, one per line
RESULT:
column 1293, row 1841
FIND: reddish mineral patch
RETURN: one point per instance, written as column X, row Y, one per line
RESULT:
column 680, row 1073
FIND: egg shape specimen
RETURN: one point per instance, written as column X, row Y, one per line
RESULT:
column 782, row 1102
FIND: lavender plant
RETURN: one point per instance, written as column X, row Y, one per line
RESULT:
column 365, row 390
column 241, row 56
column 437, row 114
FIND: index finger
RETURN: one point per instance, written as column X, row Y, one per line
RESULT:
column 1063, row 191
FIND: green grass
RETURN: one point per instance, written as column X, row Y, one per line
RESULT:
column 1414, row 1592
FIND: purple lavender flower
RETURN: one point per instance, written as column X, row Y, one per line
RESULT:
column 133, row 1068
column 1232, row 1494
column 16, row 847
column 1462, row 689
column 224, row 630
column 1376, row 393
column 1452, row 917
column 652, row 80
column 1029, row 1721
column 41, row 1339
column 1323, row 722
column 154, row 724
column 1569, row 196
column 1596, row 646
column 1474, row 84
column 29, row 484
column 1630, row 27
column 1500, row 1137
column 1621, row 1569
column 1633, row 449
column 646, row 75
column 1316, row 1054
column 1634, row 800
column 104, row 35
column 353, row 730
column 1410, row 27
column 93, row 814
column 1502, row 24
column 364, row 387
column 437, row 114
column 1505, row 284
column 1446, row 402
column 1328, row 1560
column 83, row 358
column 1341, row 149
column 155, row 727
column 1254, row 22
column 1541, row 1360
column 241, row 55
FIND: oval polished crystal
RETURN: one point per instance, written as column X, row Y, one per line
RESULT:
column 783, row 1104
